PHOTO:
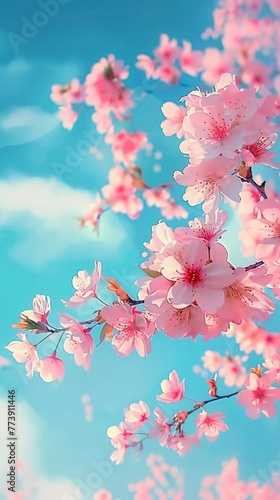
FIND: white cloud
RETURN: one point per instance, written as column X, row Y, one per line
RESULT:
column 29, row 431
column 25, row 124
column 44, row 213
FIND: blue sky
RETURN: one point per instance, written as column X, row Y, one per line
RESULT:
column 41, row 247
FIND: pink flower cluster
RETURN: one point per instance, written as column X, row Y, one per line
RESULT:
column 167, row 54
column 230, row 368
column 254, row 338
column 222, row 131
column 125, row 435
column 217, row 487
column 258, row 397
column 246, row 35
column 103, row 89
column 193, row 289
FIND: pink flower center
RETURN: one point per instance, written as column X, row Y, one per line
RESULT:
column 219, row 130
column 234, row 292
column 269, row 339
column 259, row 394
column 192, row 275
column 259, row 147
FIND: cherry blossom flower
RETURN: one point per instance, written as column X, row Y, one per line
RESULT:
column 120, row 437
column 41, row 308
column 245, row 295
column 119, row 453
column 185, row 322
column 146, row 64
column 212, row 360
column 126, row 145
column 132, row 326
column 25, row 352
column 4, row 362
column 79, row 342
column 274, row 284
column 52, row 368
column 267, row 227
column 190, row 60
column 172, row 389
column 174, row 115
column 232, row 370
column 273, row 367
column 171, row 210
column 120, row 193
column 195, row 280
column 85, row 285
column 81, row 347
column 208, row 180
column 182, row 444
column 102, row 495
column 92, row 217
column 257, row 150
column 104, row 88
column 161, row 428
column 67, row 116
column 168, row 73
column 168, row 50
column 137, row 415
column 210, row 425
column 210, row 231
column 73, row 92
column 259, row 396
column 156, row 197
column 215, row 63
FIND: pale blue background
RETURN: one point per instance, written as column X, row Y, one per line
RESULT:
column 67, row 46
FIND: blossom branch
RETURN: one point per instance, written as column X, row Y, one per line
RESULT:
column 254, row 266
column 207, row 401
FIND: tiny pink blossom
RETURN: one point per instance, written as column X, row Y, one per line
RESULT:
column 232, row 370
column 52, row 368
column 161, row 428
column 4, row 362
column 215, row 63
column 190, row 60
column 172, row 390
column 25, row 352
column 92, row 217
column 68, row 116
column 41, row 308
column 183, row 444
column 210, row 231
column 212, row 360
column 174, row 115
column 168, row 50
column 267, row 230
column 210, row 425
column 273, row 367
column 208, row 180
column 85, row 285
column 120, row 431
column 120, row 193
column 137, row 415
column 156, row 197
column 146, row 64
column 259, row 396
column 102, row 495
column 79, row 342
column 126, row 146
column 133, row 329
column 168, row 73
column 170, row 210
